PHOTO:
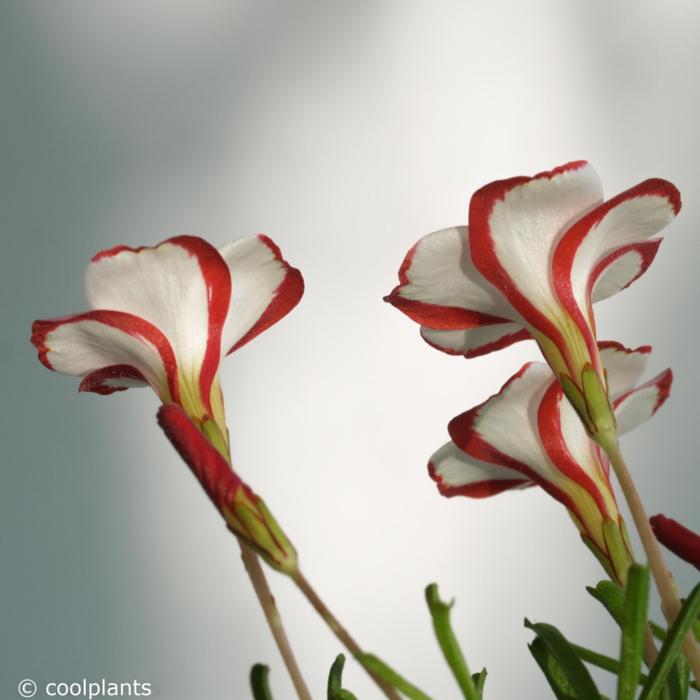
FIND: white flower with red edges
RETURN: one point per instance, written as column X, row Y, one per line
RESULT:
column 166, row 316
column 529, row 434
column 538, row 252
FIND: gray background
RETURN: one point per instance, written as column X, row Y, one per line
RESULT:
column 345, row 131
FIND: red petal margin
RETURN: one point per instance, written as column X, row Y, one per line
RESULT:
column 95, row 381
column 477, row 489
column 679, row 539
column 217, row 280
column 286, row 297
column 615, row 345
column 211, row 469
column 135, row 326
column 218, row 283
column 566, row 249
column 435, row 316
column 463, row 433
column 552, row 439
column 646, row 250
column 441, row 318
column 479, row 350
column 484, row 254
column 662, row 382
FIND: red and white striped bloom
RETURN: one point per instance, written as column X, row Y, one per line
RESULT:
column 166, row 316
column 536, row 255
column 529, row 434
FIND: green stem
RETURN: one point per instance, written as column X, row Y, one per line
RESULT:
column 340, row 632
column 392, row 677
column 670, row 600
column 440, row 613
column 272, row 615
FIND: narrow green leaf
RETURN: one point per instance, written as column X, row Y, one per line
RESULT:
column 634, row 623
column 607, row 663
column 553, row 672
column 572, row 667
column 672, row 646
column 259, row 682
column 440, row 613
column 678, row 683
column 335, row 681
column 394, row 679
column 480, row 681
column 612, row 597
column 657, row 630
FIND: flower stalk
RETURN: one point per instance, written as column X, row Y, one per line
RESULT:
column 272, row 615
column 670, row 600
column 340, row 632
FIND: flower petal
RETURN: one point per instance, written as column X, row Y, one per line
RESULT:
column 630, row 218
column 440, row 287
column 87, row 343
column 458, row 474
column 575, row 455
column 514, row 225
column 624, row 366
column 182, row 286
column 110, row 379
column 265, row 288
column 643, row 402
column 211, row 469
column 503, row 430
column 507, row 431
column 474, row 342
column 617, row 270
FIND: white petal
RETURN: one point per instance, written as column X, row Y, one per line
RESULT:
column 475, row 341
column 508, row 420
column 90, row 342
column 263, row 288
column 630, row 218
column 622, row 267
column 641, row 403
column 524, row 219
column 438, row 272
column 625, row 366
column 456, row 473
column 165, row 285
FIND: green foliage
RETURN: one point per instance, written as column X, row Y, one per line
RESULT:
column 565, row 672
column 479, row 681
column 671, row 650
column 259, row 682
column 335, row 681
column 387, row 674
column 669, row 677
column 612, row 597
column 440, row 613
column 634, row 629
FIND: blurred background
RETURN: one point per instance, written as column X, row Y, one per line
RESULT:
column 345, row 131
